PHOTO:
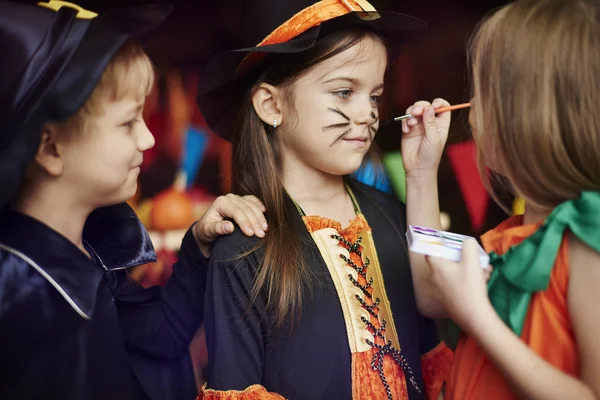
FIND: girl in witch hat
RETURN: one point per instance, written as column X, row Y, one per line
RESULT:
column 533, row 333
column 327, row 305
column 72, row 324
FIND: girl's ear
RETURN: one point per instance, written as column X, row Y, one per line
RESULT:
column 267, row 104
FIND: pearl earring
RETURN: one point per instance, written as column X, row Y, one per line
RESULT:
column 275, row 123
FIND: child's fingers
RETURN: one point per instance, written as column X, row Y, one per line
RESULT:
column 226, row 208
column 255, row 200
column 487, row 272
column 419, row 107
column 407, row 122
column 430, row 125
column 417, row 111
column 438, row 264
column 404, row 126
column 255, row 206
column 469, row 253
column 443, row 119
column 222, row 228
column 246, row 216
column 439, row 102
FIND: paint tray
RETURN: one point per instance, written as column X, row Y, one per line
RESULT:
column 436, row 243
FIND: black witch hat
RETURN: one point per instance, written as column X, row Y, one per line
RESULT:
column 288, row 26
column 53, row 55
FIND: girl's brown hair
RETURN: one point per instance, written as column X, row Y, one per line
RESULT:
column 283, row 274
column 536, row 86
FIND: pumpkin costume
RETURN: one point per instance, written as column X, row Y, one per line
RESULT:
column 528, row 289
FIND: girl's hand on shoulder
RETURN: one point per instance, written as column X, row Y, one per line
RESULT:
column 246, row 211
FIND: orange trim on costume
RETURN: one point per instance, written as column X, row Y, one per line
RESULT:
column 316, row 223
column 436, row 365
column 254, row 392
column 366, row 383
column 308, row 18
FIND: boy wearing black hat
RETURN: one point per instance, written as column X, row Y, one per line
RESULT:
column 72, row 325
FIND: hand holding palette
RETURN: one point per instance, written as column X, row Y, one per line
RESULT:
column 436, row 243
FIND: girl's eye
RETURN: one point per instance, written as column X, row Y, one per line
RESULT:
column 343, row 94
column 376, row 99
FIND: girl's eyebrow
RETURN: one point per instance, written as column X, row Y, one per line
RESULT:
column 343, row 78
column 353, row 81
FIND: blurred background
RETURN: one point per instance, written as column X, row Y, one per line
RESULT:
column 190, row 166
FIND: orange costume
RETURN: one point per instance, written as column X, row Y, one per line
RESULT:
column 546, row 330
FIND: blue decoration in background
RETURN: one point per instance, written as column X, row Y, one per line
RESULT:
column 371, row 175
column 195, row 145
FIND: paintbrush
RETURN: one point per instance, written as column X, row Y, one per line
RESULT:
column 438, row 111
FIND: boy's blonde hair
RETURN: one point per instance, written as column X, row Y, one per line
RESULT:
column 536, row 86
column 129, row 74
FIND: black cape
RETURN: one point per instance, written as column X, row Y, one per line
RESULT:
column 75, row 328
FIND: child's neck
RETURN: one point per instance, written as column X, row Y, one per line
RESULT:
column 533, row 215
column 318, row 193
column 52, row 207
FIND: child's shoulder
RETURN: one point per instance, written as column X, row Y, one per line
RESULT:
column 20, row 283
column 230, row 249
column 582, row 259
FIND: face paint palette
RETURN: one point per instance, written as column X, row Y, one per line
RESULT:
column 436, row 243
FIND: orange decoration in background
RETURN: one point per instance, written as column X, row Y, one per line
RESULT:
column 173, row 208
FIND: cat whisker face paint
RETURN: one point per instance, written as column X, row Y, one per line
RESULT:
column 342, row 125
column 372, row 128
column 334, row 126
column 340, row 112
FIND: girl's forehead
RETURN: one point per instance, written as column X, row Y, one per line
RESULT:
column 360, row 62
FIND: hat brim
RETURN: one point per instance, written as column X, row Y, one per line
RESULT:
column 70, row 88
column 221, row 90
column 97, row 48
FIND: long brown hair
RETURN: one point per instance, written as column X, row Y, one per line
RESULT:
column 283, row 273
column 536, row 86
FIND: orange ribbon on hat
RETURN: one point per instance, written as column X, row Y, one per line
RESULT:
column 312, row 16
column 308, row 18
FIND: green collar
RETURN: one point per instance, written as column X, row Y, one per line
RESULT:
column 525, row 268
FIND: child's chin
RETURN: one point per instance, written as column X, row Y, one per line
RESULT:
column 130, row 193
column 352, row 166
column 125, row 194
column 346, row 169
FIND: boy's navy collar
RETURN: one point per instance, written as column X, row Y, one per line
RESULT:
column 115, row 233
